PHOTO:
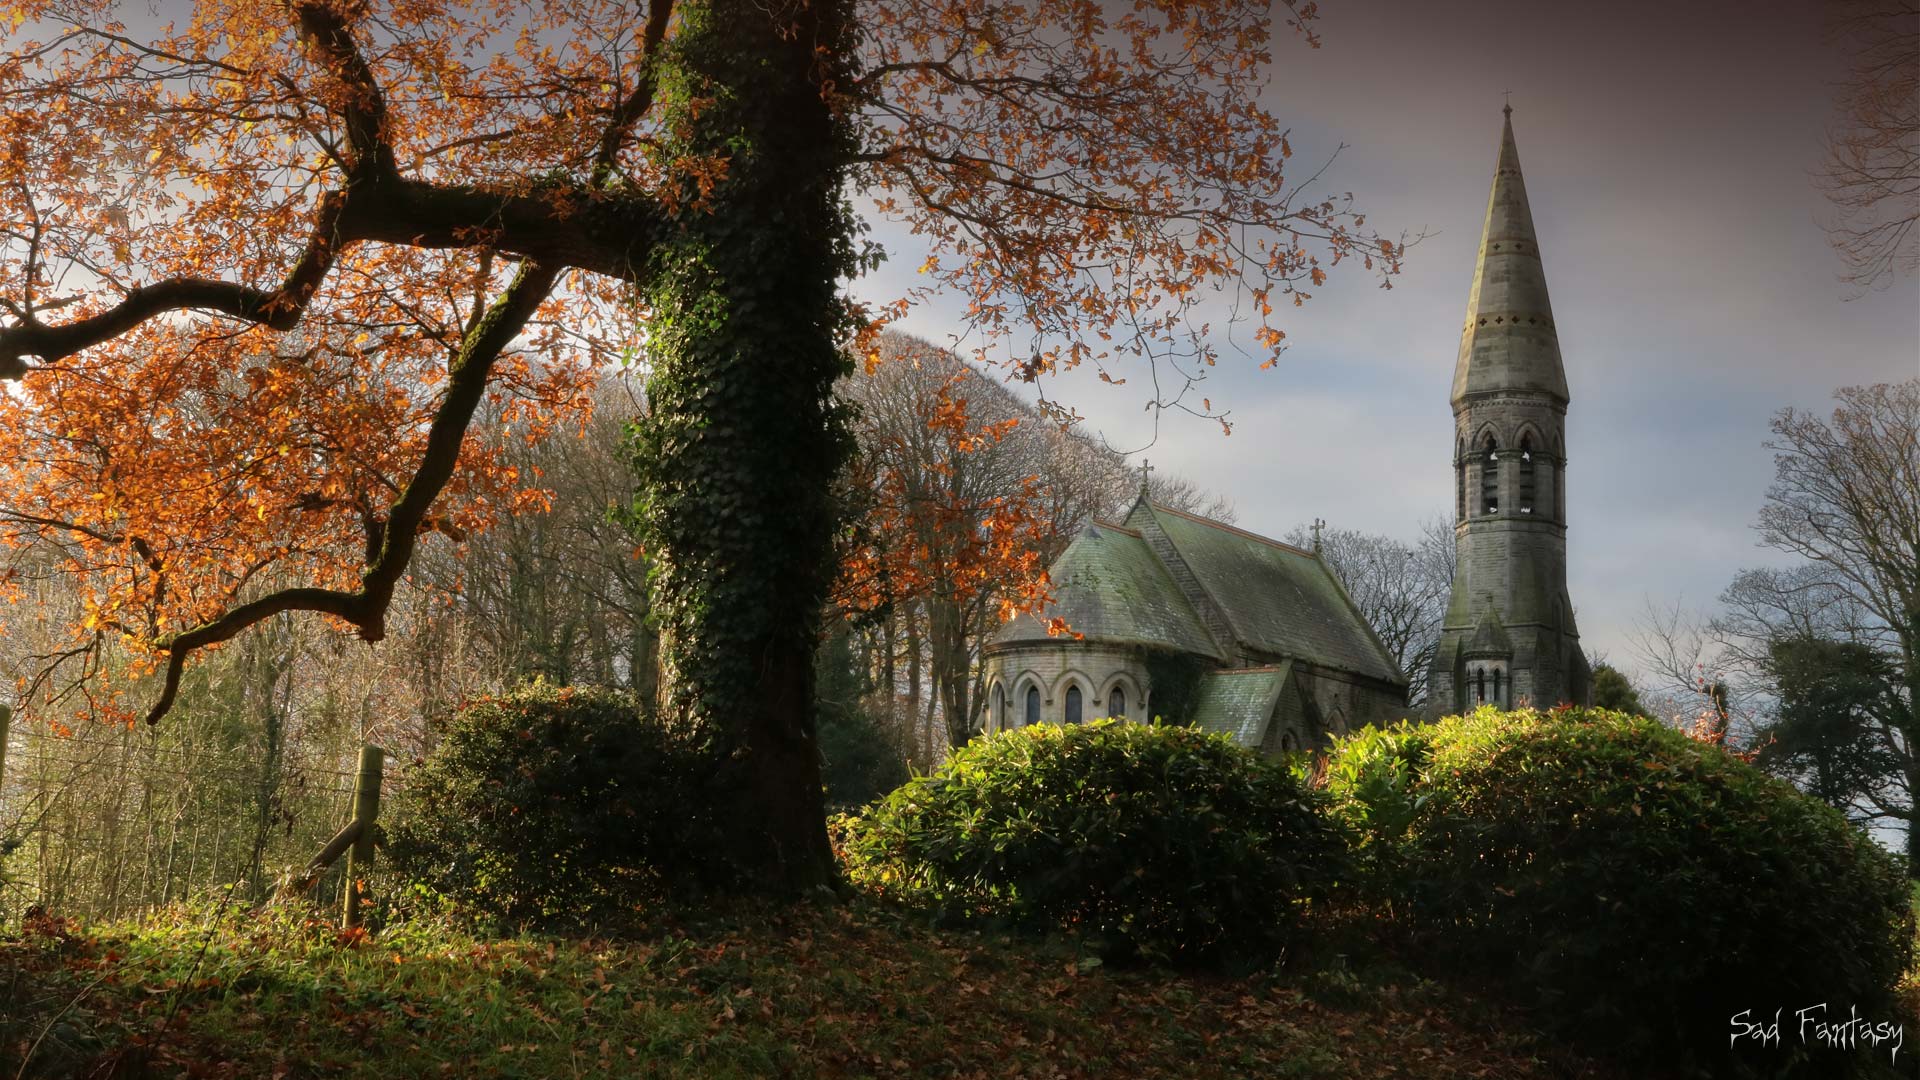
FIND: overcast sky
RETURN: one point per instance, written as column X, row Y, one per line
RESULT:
column 1668, row 151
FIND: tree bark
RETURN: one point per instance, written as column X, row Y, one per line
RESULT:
column 738, row 450
column 950, row 669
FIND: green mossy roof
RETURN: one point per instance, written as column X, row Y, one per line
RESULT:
column 1277, row 598
column 1239, row 704
column 1109, row 588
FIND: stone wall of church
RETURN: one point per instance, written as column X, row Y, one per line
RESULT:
column 1096, row 670
column 1323, row 701
column 1346, row 702
column 1512, row 562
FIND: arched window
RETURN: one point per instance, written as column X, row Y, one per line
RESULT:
column 1073, row 704
column 1479, row 685
column 1460, row 479
column 1526, row 474
column 1117, row 702
column 1490, row 476
column 1496, row 686
column 999, row 707
column 1033, row 705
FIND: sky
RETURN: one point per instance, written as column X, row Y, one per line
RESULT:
column 1669, row 153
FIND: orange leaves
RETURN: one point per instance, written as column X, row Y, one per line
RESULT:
column 946, row 515
column 1092, row 178
column 184, row 468
column 1102, row 174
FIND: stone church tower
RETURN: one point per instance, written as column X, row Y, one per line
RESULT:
column 1508, row 637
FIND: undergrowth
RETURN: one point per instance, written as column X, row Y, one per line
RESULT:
column 848, row 991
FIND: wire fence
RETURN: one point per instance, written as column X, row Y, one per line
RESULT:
column 104, row 824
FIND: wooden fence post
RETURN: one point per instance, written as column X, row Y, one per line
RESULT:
column 366, row 808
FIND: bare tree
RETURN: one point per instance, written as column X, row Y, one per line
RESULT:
column 1846, row 497
column 556, row 590
column 1689, row 673
column 1872, row 175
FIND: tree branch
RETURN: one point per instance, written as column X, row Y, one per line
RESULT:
column 659, row 12
column 366, row 608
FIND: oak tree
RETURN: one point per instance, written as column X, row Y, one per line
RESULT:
column 262, row 267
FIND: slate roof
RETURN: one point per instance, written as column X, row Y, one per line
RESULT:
column 1109, row 587
column 1276, row 598
column 1239, row 704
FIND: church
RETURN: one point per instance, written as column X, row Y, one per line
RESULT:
column 1178, row 616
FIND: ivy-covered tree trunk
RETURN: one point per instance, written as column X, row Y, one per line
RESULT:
column 737, row 454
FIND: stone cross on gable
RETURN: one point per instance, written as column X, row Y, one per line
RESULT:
column 1146, row 468
column 1318, row 524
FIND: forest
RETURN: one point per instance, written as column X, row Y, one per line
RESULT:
column 254, row 770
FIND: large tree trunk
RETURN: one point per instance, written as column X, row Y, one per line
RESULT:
column 741, row 442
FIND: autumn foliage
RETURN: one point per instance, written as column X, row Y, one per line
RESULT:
column 926, row 526
column 261, row 266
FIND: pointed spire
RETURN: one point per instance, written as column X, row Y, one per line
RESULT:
column 1509, row 341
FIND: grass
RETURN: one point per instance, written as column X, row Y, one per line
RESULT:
column 820, row 992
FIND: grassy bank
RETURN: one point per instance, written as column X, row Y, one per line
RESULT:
column 837, row 992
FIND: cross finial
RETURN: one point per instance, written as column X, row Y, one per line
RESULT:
column 1146, row 468
column 1508, row 110
column 1318, row 524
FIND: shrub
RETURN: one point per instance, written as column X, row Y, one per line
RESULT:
column 1158, row 842
column 557, row 807
column 1638, row 886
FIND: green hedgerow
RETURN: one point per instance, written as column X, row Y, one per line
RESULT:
column 1640, row 887
column 558, row 807
column 1157, row 842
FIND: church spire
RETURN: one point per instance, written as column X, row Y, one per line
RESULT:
column 1508, row 635
column 1509, row 341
